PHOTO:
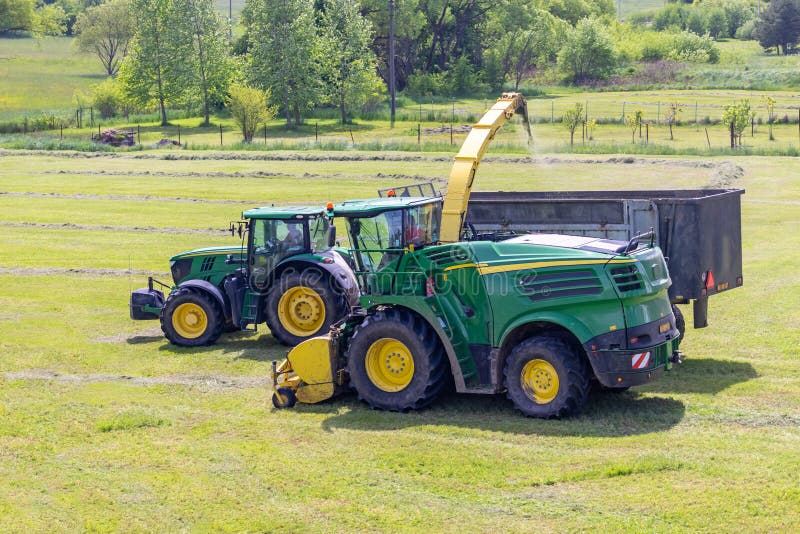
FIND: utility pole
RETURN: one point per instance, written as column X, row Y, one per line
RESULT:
column 230, row 21
column 391, row 58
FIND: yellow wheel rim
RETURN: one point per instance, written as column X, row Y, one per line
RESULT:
column 390, row 365
column 539, row 381
column 189, row 320
column 301, row 311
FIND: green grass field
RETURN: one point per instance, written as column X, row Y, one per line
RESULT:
column 104, row 426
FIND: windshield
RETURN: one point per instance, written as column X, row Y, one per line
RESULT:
column 377, row 240
column 422, row 225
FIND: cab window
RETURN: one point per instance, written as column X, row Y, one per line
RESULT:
column 421, row 225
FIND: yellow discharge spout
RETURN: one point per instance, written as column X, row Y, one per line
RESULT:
column 469, row 156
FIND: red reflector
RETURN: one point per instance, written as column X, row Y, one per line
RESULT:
column 710, row 280
column 634, row 340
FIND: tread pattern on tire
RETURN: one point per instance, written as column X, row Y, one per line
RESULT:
column 680, row 321
column 422, row 390
column 336, row 305
column 573, row 388
column 216, row 320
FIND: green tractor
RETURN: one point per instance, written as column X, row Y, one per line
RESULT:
column 287, row 275
column 538, row 317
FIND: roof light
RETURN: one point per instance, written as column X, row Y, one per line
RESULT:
column 329, row 206
column 391, row 193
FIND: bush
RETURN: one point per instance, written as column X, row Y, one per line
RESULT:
column 249, row 109
column 425, row 84
column 745, row 31
column 107, row 98
column 687, row 46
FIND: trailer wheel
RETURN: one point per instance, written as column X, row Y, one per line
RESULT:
column 396, row 361
column 284, row 398
column 546, row 378
column 680, row 322
column 191, row 318
column 300, row 306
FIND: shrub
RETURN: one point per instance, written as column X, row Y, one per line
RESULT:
column 745, row 31
column 249, row 109
column 107, row 98
column 687, row 46
column 425, row 84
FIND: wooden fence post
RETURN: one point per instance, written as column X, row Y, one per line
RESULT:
column 419, row 134
column 220, row 135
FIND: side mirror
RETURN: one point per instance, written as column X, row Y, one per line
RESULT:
column 332, row 236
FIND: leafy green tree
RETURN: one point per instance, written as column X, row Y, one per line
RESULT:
column 573, row 11
column 16, row 15
column 211, row 66
column 158, row 64
column 717, row 23
column 250, row 109
column 106, row 30
column 737, row 14
column 346, row 57
column 571, row 119
column 779, row 25
column 769, row 103
column 634, row 121
column 283, row 55
column 588, row 52
column 671, row 16
column 736, row 118
column 410, row 35
column 697, row 22
column 527, row 38
column 107, row 97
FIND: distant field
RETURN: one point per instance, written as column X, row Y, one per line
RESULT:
column 41, row 75
column 104, row 426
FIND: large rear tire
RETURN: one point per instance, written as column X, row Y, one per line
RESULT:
column 396, row 361
column 191, row 318
column 545, row 377
column 302, row 305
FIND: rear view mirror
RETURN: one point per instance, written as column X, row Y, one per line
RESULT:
column 332, row 236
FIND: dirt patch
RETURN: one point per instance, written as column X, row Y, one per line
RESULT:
column 91, row 196
column 463, row 128
column 200, row 381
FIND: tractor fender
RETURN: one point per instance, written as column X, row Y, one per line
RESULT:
column 455, row 366
column 564, row 320
column 333, row 264
column 212, row 290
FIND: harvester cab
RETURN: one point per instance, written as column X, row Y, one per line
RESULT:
column 285, row 273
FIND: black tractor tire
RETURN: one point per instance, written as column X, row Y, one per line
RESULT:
column 333, row 299
column 570, row 367
column 201, row 303
column 284, row 398
column 680, row 322
column 430, row 373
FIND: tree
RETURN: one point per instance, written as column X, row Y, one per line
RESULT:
column 158, row 65
column 634, row 121
column 211, row 67
column 571, row 119
column 769, row 103
column 736, row 118
column 527, row 38
column 697, row 22
column 283, row 56
column 671, row 116
column 107, row 31
column 779, row 25
column 717, row 23
column 16, row 15
column 347, row 60
column 250, row 109
column 588, row 52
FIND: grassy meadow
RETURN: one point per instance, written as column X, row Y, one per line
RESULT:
column 104, row 426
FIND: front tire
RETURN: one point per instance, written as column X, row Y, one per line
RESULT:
column 191, row 318
column 300, row 306
column 396, row 361
column 547, row 378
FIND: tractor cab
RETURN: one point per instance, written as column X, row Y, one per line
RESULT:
column 277, row 233
column 381, row 231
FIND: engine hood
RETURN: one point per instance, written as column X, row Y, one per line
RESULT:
column 209, row 251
